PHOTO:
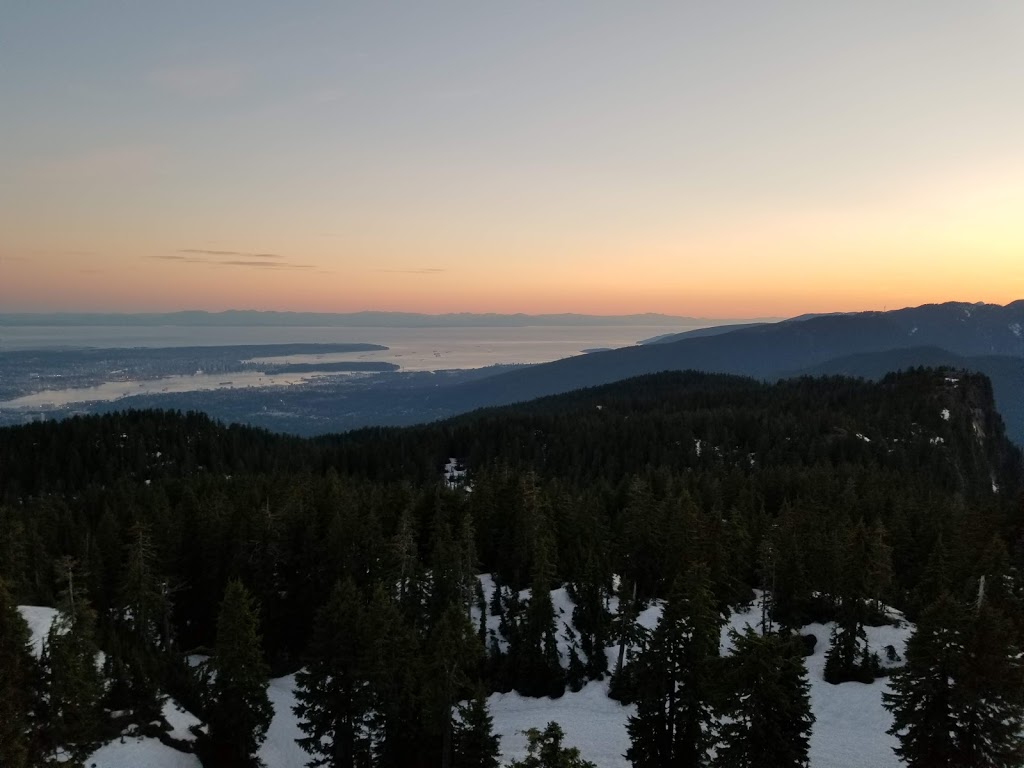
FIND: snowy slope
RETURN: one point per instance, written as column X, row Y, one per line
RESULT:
column 140, row 753
column 280, row 749
column 849, row 730
column 128, row 752
column 39, row 619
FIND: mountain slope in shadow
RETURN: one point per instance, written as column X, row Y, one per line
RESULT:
column 775, row 350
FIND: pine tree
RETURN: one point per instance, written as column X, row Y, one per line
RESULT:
column 630, row 635
column 474, row 743
column 592, row 621
column 535, row 657
column 957, row 701
column 239, row 711
column 73, row 686
column 879, row 566
column 767, row 703
column 674, row 723
column 396, row 672
column 335, row 704
column 453, row 654
column 18, row 680
column 544, row 750
column 142, row 627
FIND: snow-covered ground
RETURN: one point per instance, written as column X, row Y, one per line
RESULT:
column 849, row 730
column 180, row 720
column 39, row 619
column 140, row 753
column 280, row 749
column 850, row 722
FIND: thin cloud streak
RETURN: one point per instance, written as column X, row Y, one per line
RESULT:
column 254, row 260
column 204, row 252
column 262, row 264
column 420, row 271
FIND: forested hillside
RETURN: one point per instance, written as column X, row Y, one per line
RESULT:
column 354, row 559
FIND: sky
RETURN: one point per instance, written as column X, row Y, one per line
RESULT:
column 726, row 159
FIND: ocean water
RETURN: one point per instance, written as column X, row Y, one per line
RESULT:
column 414, row 349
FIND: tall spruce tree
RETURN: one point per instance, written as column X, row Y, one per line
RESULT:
column 333, row 691
column 141, row 629
column 474, row 743
column 73, row 684
column 766, row 703
column 958, row 700
column 535, row 657
column 591, row 619
column 238, row 711
column 18, row 686
column 674, row 724
column 453, row 653
column 401, row 736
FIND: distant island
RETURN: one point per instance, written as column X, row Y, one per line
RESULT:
column 349, row 320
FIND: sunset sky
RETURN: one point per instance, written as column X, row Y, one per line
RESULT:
column 718, row 159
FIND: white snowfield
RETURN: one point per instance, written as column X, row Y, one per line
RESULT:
column 140, row 753
column 39, row 619
column 849, row 730
column 850, row 722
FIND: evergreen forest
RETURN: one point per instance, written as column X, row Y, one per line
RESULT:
column 198, row 560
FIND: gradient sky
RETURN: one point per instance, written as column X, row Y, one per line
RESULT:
column 714, row 159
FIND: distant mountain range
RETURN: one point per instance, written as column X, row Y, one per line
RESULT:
column 232, row 318
column 983, row 337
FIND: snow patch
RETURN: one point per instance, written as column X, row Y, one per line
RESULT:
column 849, row 732
column 39, row 619
column 1016, row 330
column 591, row 721
column 936, row 441
column 280, row 750
column 180, row 721
column 945, row 414
column 455, row 474
column 143, row 752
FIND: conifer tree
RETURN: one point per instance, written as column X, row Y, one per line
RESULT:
column 537, row 662
column 141, row 628
column 73, row 685
column 143, row 595
column 674, row 723
column 767, row 703
column 592, row 621
column 630, row 634
column 957, row 701
column 18, row 681
column 453, row 654
column 474, row 743
column 333, row 691
column 239, row 711
column 544, row 750
column 396, row 671
column 879, row 566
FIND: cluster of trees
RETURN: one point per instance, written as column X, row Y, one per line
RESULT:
column 348, row 560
